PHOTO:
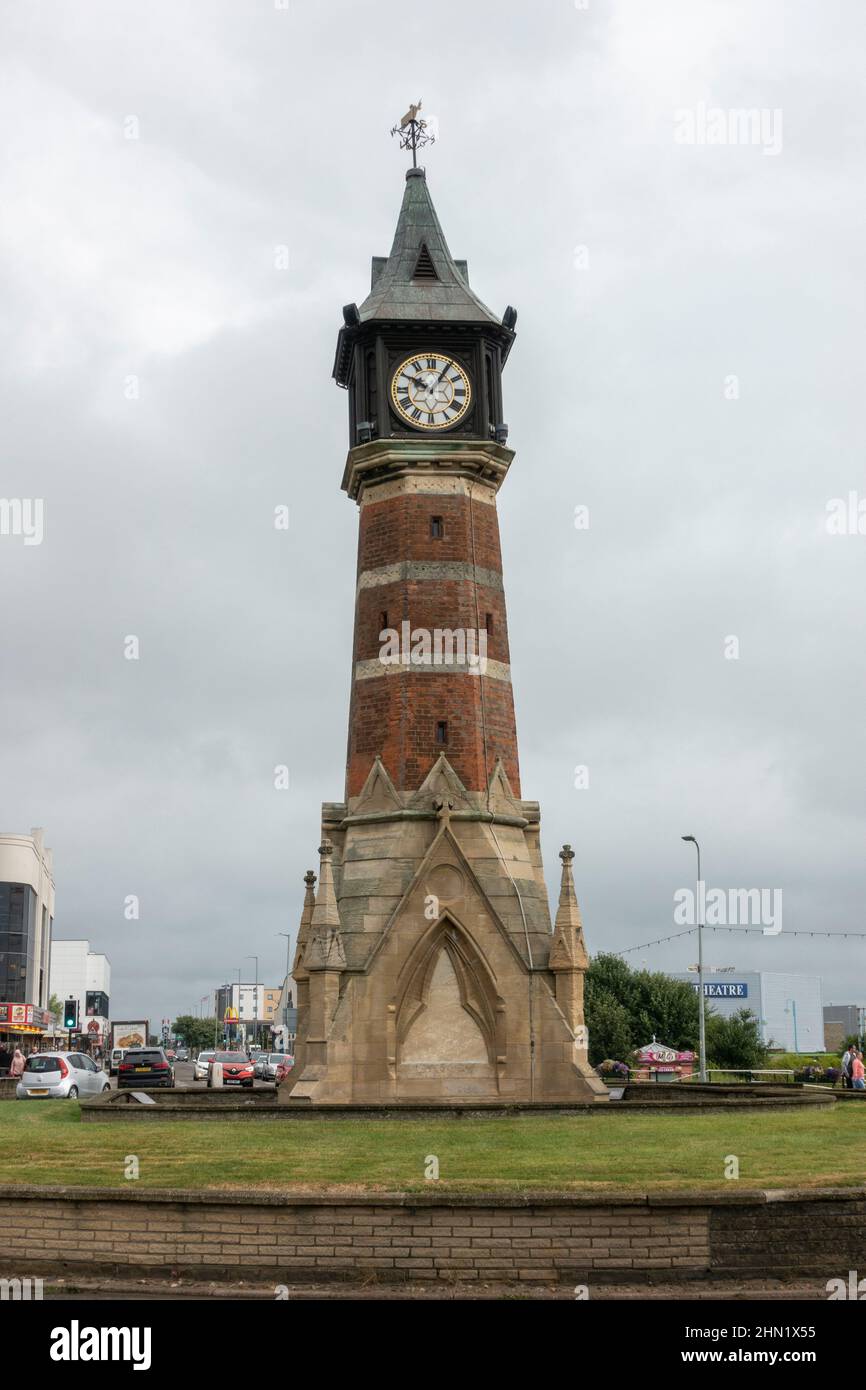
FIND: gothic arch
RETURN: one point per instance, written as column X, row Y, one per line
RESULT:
column 477, row 990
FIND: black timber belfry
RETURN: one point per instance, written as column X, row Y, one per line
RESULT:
column 420, row 299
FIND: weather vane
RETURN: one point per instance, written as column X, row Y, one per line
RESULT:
column 413, row 133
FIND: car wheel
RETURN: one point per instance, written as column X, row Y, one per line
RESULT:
column 72, row 1093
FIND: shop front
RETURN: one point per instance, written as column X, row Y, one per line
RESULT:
column 24, row 1026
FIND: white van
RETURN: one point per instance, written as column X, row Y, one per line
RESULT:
column 115, row 1058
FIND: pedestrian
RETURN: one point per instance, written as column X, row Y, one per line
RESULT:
column 5, row 1060
column 846, row 1069
column 858, row 1072
column 17, row 1066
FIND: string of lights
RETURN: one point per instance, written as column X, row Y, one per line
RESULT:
column 755, row 931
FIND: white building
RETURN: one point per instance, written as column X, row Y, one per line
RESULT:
column 789, row 1007
column 26, row 918
column 84, row 975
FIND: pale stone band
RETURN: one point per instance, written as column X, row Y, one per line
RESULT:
column 429, row 487
column 493, row 670
column 429, row 569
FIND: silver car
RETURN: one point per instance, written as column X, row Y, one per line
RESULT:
column 270, row 1064
column 201, row 1061
column 61, row 1075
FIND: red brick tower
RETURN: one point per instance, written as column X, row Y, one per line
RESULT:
column 428, row 968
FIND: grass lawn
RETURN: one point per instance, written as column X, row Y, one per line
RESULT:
column 45, row 1142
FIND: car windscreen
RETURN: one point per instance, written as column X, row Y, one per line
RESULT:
column 230, row 1057
column 42, row 1064
column 276, row 1057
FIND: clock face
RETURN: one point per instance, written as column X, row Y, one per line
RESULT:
column 430, row 391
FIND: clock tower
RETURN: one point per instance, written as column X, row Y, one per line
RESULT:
column 427, row 965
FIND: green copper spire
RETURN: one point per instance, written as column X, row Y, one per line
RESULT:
column 420, row 278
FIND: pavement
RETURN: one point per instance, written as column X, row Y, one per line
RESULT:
column 698, row 1290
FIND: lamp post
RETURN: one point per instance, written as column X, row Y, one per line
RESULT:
column 288, row 937
column 255, row 999
column 702, row 1028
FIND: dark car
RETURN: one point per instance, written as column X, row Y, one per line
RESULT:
column 145, row 1066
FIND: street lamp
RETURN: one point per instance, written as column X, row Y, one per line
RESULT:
column 288, row 937
column 702, row 1022
column 255, row 998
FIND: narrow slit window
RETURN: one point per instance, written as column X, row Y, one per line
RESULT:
column 441, row 731
column 488, row 623
column 437, row 529
column 383, row 620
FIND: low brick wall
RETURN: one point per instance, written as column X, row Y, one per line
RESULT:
column 543, row 1238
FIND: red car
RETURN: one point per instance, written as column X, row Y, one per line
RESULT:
column 283, row 1069
column 237, row 1068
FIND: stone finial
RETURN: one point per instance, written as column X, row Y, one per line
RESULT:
column 568, row 950
column 325, row 951
column 306, row 923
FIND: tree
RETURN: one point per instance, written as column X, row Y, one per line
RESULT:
column 197, row 1033
column 735, row 1042
column 648, row 1004
column 609, row 1027
column 55, row 1006
column 667, row 1010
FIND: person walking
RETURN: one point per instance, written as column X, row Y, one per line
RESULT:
column 17, row 1066
column 846, row 1069
column 858, row 1072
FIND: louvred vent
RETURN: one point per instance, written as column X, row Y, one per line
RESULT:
column 424, row 267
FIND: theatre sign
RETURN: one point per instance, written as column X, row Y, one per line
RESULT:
column 716, row 989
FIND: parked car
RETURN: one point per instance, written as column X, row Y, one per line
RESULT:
column 145, row 1066
column 270, row 1064
column 283, row 1069
column 115, row 1057
column 61, row 1075
column 237, row 1068
column 201, row 1065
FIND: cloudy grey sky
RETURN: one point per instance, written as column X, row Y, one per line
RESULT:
column 647, row 272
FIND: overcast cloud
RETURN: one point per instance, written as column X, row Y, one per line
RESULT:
column 646, row 273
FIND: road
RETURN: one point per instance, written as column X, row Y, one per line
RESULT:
column 183, row 1080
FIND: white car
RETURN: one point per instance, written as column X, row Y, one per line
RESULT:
column 61, row 1076
column 200, row 1069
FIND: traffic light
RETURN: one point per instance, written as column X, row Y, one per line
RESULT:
column 70, row 1014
